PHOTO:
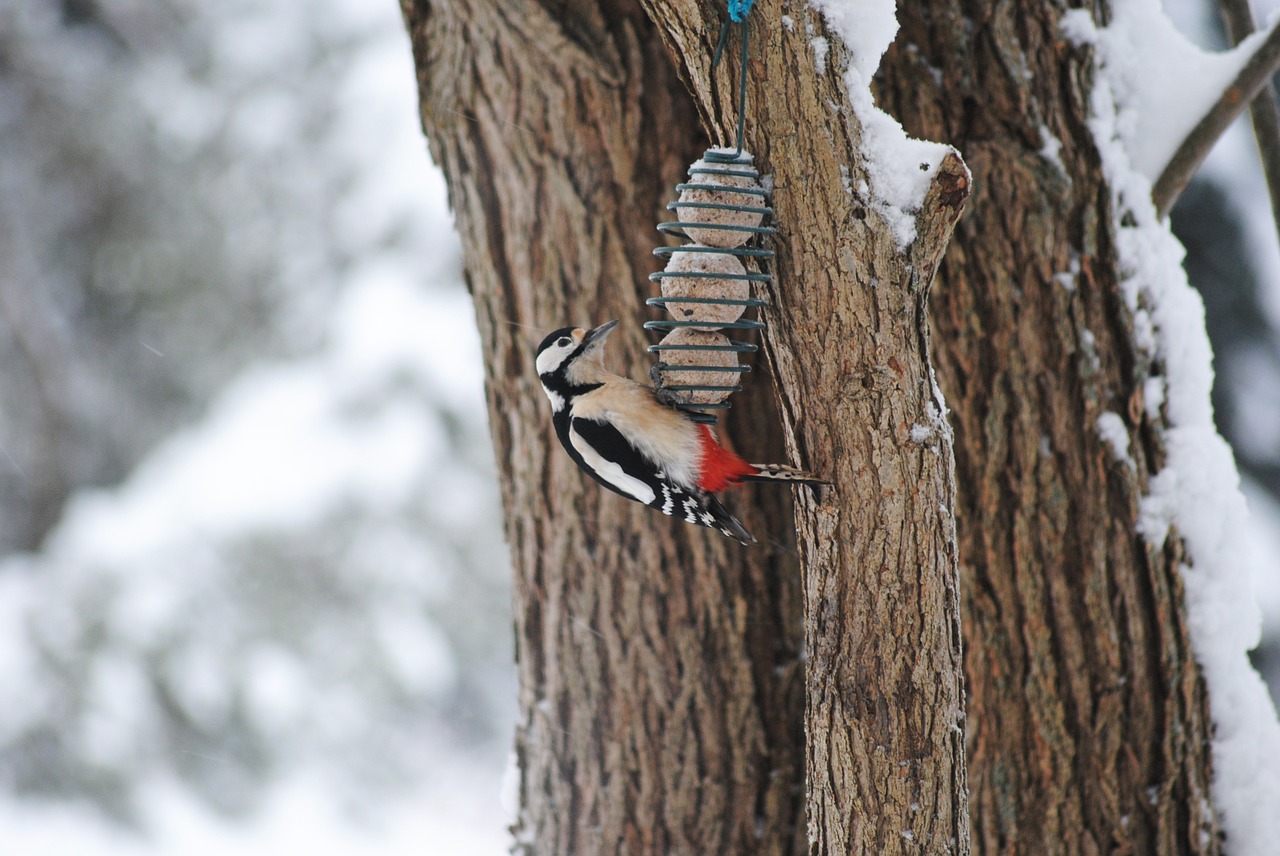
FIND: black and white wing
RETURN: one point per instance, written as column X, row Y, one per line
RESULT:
column 602, row 451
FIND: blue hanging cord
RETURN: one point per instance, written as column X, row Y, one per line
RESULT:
column 738, row 11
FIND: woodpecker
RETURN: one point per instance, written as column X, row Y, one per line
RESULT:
column 625, row 438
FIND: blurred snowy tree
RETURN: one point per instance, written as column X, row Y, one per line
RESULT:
column 1246, row 396
column 1224, row 222
column 289, row 567
column 167, row 187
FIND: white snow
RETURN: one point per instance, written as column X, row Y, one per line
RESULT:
column 867, row 28
column 1161, row 82
column 509, row 792
column 1067, row 278
column 1089, row 347
column 900, row 168
column 1153, row 396
column 1051, row 150
column 297, row 818
column 820, row 47
column 151, row 566
column 1116, row 435
column 935, row 425
column 273, row 451
column 1151, row 85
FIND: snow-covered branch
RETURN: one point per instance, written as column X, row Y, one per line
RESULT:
column 1238, row 18
column 1252, row 77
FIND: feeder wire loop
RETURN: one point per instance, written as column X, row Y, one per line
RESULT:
column 684, row 374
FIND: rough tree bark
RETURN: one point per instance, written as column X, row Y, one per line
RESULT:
column 849, row 340
column 661, row 690
column 1088, row 726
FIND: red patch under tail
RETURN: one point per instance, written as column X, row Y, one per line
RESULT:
column 720, row 468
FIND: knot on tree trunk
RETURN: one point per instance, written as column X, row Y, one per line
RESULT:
column 941, row 210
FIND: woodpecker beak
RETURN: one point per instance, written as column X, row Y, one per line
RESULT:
column 599, row 334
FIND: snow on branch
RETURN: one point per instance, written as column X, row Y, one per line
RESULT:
column 1266, row 113
column 1174, row 99
column 1252, row 78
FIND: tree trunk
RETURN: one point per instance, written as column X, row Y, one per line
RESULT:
column 1088, row 726
column 661, row 692
column 849, row 340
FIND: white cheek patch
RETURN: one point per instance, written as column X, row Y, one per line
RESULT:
column 609, row 471
column 550, row 359
column 557, row 400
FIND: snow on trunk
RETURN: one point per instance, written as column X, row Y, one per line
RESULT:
column 1151, row 87
column 900, row 168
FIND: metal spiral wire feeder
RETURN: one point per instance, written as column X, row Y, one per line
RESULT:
column 708, row 284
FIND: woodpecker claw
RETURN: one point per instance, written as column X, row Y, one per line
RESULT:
column 669, row 397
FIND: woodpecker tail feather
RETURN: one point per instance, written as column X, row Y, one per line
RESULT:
column 727, row 523
column 782, row 473
column 698, row 508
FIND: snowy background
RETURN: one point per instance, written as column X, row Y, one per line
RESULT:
column 253, row 596
column 252, row 584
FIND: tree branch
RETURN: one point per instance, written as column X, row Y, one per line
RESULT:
column 1187, row 159
column 1266, row 115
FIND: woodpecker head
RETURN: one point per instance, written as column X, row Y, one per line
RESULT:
column 570, row 359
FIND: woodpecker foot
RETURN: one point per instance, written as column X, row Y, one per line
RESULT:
column 669, row 397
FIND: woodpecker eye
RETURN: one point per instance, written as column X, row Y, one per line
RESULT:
column 564, row 341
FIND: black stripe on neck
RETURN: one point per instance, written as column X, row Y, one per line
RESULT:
column 557, row 383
